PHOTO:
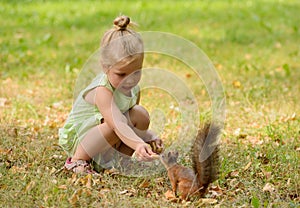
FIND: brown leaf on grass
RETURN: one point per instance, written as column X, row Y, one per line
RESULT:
column 129, row 192
column 73, row 178
column 63, row 187
column 53, row 170
column 75, row 196
column 15, row 169
column 30, row 185
column 148, row 195
column 247, row 166
column 144, row 184
column 209, row 201
column 84, row 180
column 160, row 181
column 233, row 174
column 267, row 174
column 123, row 192
column 103, row 191
column 255, row 140
column 170, row 196
column 215, row 191
column 288, row 118
column 87, row 191
column 5, row 151
column 111, row 171
column 269, row 188
column 13, row 132
column 288, row 182
column 89, row 181
column 234, row 183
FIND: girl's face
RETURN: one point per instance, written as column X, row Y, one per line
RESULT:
column 126, row 74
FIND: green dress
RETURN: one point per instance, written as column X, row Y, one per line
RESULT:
column 85, row 116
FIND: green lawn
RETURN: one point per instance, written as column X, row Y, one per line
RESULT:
column 255, row 48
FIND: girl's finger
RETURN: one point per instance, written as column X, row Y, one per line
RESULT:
column 149, row 151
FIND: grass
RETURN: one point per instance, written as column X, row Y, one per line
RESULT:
column 254, row 46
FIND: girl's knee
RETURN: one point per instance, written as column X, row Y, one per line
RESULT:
column 139, row 117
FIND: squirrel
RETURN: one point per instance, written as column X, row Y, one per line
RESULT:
column 205, row 157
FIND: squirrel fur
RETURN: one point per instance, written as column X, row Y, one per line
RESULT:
column 205, row 157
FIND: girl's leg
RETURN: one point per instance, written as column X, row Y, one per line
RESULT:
column 98, row 139
column 101, row 138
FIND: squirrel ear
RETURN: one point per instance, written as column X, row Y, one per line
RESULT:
column 176, row 154
column 169, row 154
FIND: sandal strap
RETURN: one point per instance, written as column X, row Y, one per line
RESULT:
column 71, row 165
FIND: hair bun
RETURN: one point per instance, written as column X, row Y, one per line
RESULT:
column 121, row 22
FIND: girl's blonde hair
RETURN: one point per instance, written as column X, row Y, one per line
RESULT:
column 119, row 43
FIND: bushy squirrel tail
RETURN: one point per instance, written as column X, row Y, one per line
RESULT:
column 205, row 155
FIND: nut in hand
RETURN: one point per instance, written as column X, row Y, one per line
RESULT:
column 155, row 148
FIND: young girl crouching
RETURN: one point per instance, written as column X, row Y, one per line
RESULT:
column 106, row 115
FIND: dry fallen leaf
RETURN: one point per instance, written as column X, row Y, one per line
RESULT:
column 89, row 181
column 5, row 151
column 215, row 191
column 160, row 180
column 267, row 174
column 209, row 201
column 269, row 188
column 288, row 118
column 103, row 191
column 234, row 173
column 123, row 192
column 75, row 196
column 129, row 193
column 30, row 185
column 170, row 195
column 144, row 184
column 111, row 171
column 255, row 140
column 247, row 166
column 63, row 187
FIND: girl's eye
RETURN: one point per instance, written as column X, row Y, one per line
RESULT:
column 121, row 75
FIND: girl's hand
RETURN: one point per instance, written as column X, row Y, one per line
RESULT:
column 156, row 145
column 143, row 152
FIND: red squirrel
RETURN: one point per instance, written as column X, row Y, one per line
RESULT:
column 205, row 158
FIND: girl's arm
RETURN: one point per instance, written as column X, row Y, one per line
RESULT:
column 148, row 135
column 119, row 123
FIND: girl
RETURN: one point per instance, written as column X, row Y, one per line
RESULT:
column 107, row 115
